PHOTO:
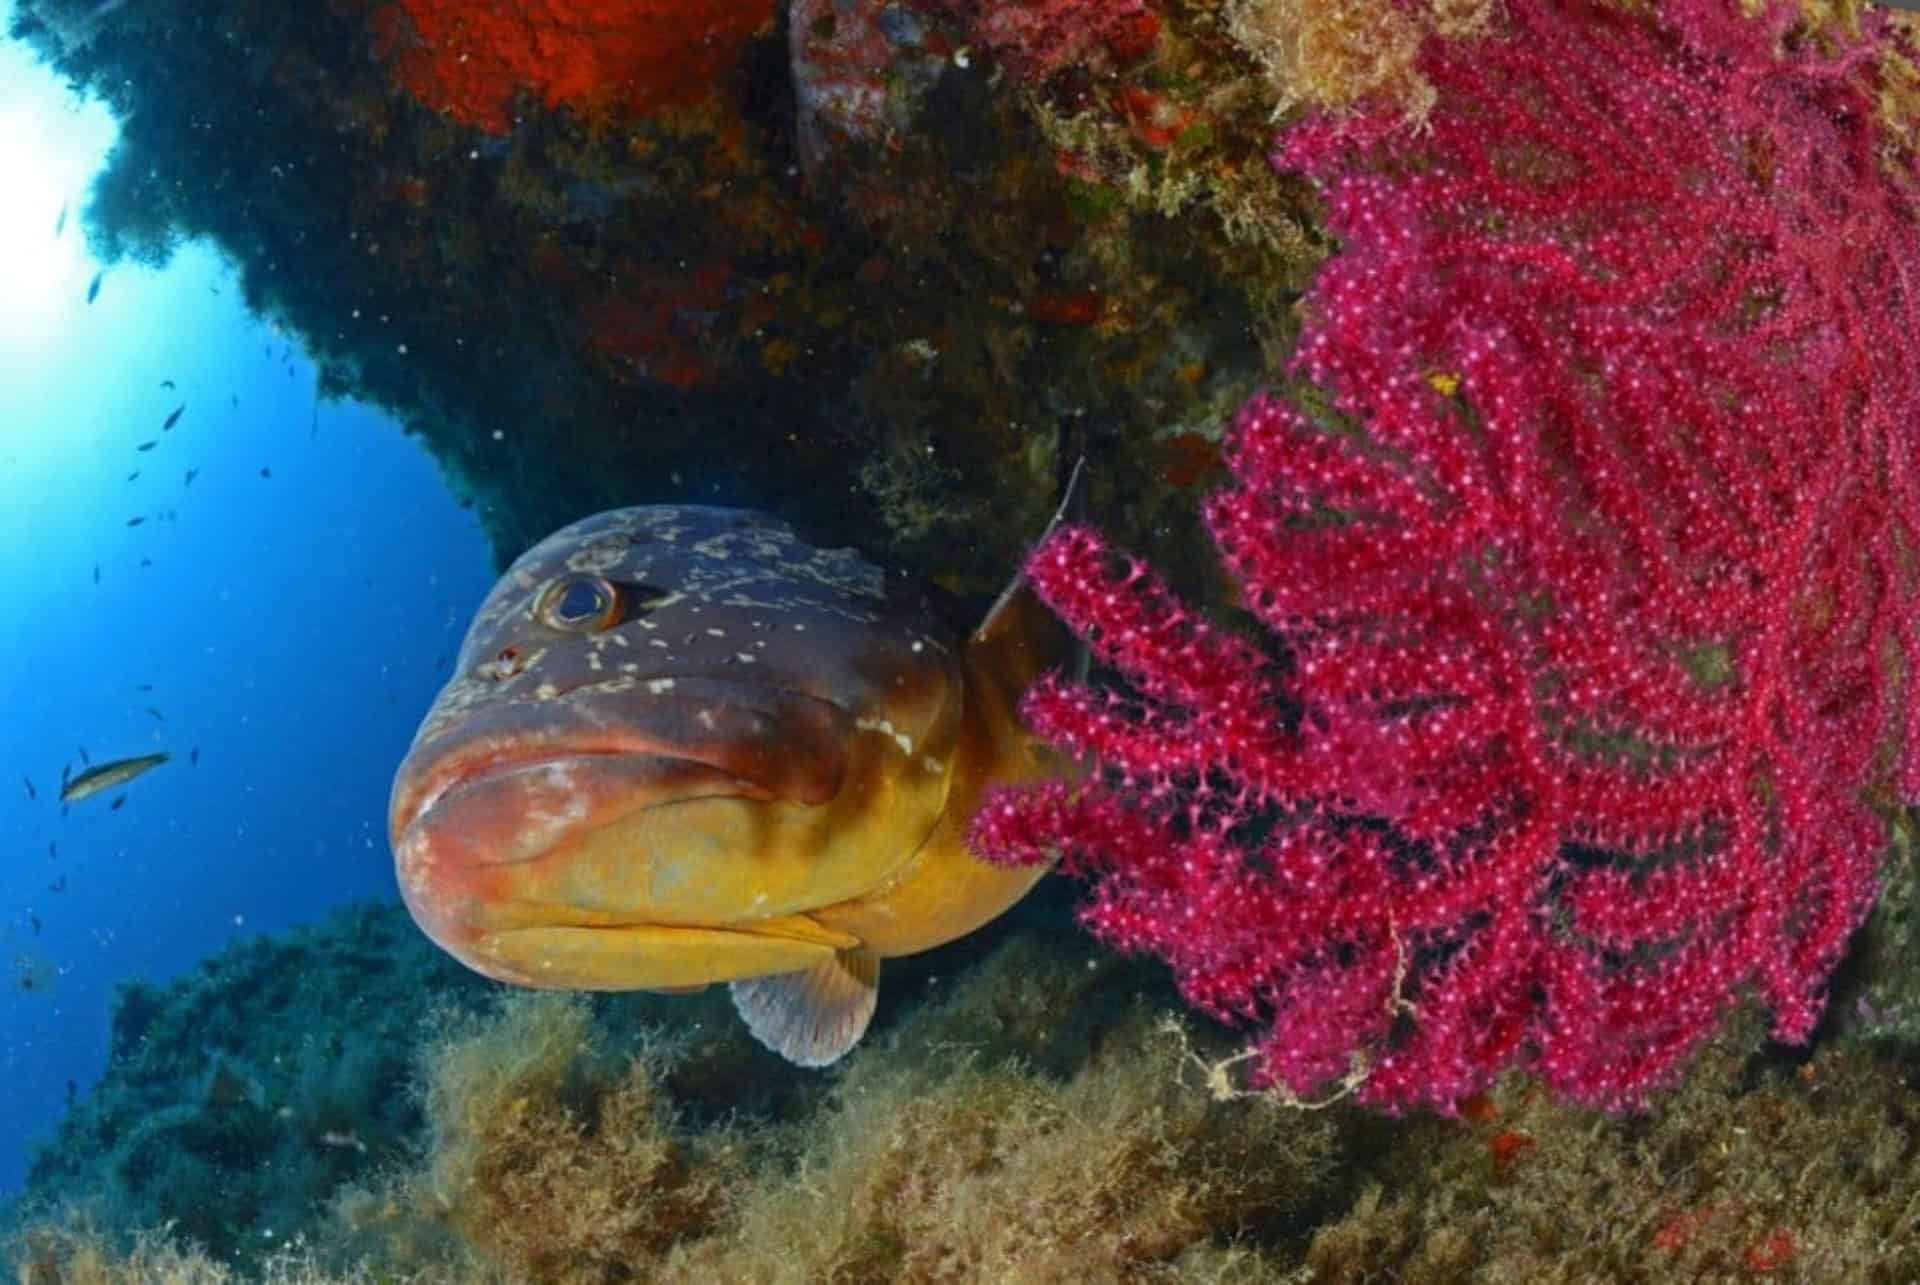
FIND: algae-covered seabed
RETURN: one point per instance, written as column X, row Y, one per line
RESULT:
column 1025, row 1112
column 897, row 339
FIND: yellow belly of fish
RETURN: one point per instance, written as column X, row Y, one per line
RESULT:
column 653, row 956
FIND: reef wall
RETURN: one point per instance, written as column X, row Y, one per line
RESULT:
column 881, row 269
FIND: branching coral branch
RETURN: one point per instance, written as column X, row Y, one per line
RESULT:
column 1594, row 590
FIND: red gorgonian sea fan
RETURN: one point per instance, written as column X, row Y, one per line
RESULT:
column 1591, row 582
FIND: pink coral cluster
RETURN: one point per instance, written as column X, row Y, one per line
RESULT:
column 1589, row 581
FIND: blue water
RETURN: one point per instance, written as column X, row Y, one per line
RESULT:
column 292, row 628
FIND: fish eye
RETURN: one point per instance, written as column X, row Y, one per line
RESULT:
column 580, row 604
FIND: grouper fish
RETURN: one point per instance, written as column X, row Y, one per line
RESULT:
column 682, row 746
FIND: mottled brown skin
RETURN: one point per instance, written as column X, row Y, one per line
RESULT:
column 767, row 761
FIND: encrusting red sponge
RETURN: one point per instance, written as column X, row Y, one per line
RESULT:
column 594, row 56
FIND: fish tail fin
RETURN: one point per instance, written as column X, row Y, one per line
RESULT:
column 814, row 1016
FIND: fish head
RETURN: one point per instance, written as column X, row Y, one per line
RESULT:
column 674, row 736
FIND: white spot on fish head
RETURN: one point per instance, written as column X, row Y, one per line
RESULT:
column 599, row 557
column 554, row 805
column 414, row 864
column 666, row 600
column 886, row 729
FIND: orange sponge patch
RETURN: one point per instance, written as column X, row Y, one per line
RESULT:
column 595, row 56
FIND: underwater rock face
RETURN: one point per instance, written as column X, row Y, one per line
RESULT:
column 860, row 77
column 581, row 251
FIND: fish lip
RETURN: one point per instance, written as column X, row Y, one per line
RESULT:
column 462, row 771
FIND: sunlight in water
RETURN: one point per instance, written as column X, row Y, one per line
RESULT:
column 51, row 145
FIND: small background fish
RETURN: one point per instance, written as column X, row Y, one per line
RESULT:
column 104, row 776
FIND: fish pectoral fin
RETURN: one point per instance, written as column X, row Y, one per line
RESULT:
column 812, row 1017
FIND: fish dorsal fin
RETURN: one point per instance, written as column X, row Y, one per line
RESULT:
column 811, row 1018
column 1020, row 636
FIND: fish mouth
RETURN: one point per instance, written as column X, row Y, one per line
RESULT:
column 549, row 840
column 711, row 737
column 500, row 848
